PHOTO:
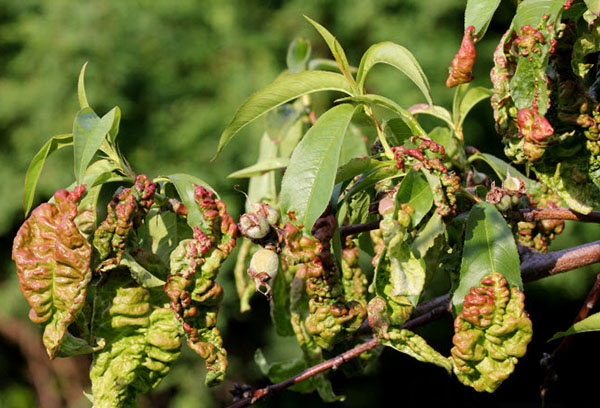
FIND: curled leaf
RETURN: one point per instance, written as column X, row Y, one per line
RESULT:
column 491, row 333
column 191, row 286
column 53, row 266
column 143, row 339
column 461, row 68
column 126, row 211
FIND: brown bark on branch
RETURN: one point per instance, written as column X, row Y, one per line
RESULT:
column 558, row 214
column 534, row 266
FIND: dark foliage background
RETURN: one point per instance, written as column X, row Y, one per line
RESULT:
column 179, row 70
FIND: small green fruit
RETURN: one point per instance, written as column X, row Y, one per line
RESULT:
column 254, row 226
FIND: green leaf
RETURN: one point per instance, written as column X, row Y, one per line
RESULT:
column 500, row 167
column 389, row 104
column 489, row 247
column 465, row 99
column 114, row 130
column 336, row 50
column 141, row 275
column 262, row 187
column 279, row 121
column 309, row 179
column 185, row 184
column 589, row 324
column 414, row 191
column 398, row 57
column 37, row 163
column 359, row 165
column 373, row 177
column 83, row 102
column 297, row 55
column 111, row 177
column 89, row 131
column 280, row 305
column 478, row 14
column 284, row 89
column 282, row 370
column 161, row 232
column 353, row 145
column 433, row 110
column 407, row 273
column 326, row 64
column 530, row 12
column 427, row 235
column 586, row 44
column 143, row 338
column 415, row 346
column 593, row 6
column 261, row 168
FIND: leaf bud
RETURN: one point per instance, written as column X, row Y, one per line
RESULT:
column 504, row 204
column 254, row 226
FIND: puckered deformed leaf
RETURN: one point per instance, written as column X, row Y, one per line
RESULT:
column 489, row 247
column 143, row 339
column 191, row 286
column 491, row 333
column 53, row 265
column 415, row 346
column 125, row 212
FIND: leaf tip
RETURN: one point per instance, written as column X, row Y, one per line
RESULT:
column 81, row 95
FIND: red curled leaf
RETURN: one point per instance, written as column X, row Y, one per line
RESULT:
column 126, row 211
column 490, row 334
column 191, row 286
column 53, row 266
column 461, row 68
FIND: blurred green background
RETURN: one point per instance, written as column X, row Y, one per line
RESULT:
column 178, row 70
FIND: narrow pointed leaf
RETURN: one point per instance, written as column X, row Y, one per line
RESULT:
column 336, row 50
column 83, row 102
column 261, row 168
column 489, row 247
column 500, row 167
column 468, row 100
column 433, row 110
column 284, row 89
column 89, row 132
column 308, row 182
column 37, row 164
column 389, row 104
column 589, row 324
column 359, row 165
column 297, row 55
column 398, row 57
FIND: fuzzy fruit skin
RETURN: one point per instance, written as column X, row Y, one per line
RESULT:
column 265, row 260
column 263, row 267
column 254, row 226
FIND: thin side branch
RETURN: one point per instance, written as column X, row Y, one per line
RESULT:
column 558, row 214
column 534, row 266
column 535, row 214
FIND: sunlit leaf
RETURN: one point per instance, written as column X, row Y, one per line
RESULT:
column 398, row 57
column 37, row 164
column 89, row 131
column 489, row 247
column 309, row 179
column 284, row 89
column 589, row 324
